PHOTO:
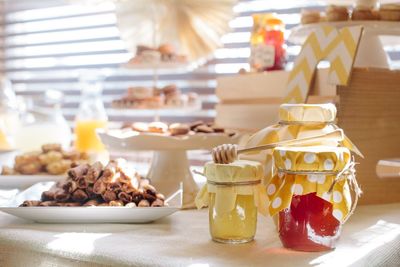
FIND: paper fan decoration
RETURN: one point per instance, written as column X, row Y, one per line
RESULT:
column 193, row 27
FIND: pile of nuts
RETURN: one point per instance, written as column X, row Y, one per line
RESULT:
column 52, row 160
column 116, row 184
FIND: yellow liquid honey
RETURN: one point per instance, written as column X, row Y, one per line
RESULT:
column 236, row 226
column 86, row 137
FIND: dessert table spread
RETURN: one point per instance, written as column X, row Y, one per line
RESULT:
column 370, row 238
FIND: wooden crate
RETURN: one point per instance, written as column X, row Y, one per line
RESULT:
column 369, row 113
column 250, row 102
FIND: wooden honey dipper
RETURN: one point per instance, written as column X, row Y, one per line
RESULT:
column 228, row 153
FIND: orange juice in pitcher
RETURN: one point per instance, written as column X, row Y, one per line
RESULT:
column 86, row 137
column 91, row 116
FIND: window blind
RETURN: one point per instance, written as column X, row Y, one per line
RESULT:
column 47, row 42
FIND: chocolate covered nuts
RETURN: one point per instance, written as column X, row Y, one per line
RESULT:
column 116, row 184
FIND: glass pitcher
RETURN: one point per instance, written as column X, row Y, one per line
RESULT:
column 42, row 122
column 91, row 115
column 9, row 115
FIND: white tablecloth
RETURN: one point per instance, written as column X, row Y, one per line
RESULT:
column 370, row 238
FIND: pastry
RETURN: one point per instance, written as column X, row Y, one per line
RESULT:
column 176, row 100
column 150, row 56
column 49, row 157
column 166, row 49
column 8, row 171
column 141, row 48
column 51, row 147
column 58, row 167
column 141, row 127
column 52, row 160
column 169, row 89
column 158, row 127
column 195, row 124
column 337, row 13
column 140, row 92
column 310, row 16
column 179, row 129
column 390, row 12
column 364, row 13
column 203, row 129
column 192, row 98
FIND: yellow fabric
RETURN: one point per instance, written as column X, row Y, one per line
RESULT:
column 225, row 196
column 314, row 158
column 238, row 171
column 283, row 185
column 307, row 112
column 301, row 121
column 339, row 47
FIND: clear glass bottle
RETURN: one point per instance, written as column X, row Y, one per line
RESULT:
column 9, row 115
column 42, row 122
column 91, row 115
column 234, row 196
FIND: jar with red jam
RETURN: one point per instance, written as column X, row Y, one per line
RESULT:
column 267, row 42
column 310, row 195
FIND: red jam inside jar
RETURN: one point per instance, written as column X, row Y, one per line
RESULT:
column 274, row 36
column 308, row 224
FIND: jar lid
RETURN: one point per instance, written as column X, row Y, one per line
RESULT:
column 307, row 112
column 238, row 171
column 313, row 158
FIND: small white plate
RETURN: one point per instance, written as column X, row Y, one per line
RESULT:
column 90, row 214
column 87, row 214
column 25, row 181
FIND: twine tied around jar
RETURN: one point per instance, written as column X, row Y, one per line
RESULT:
column 348, row 173
column 282, row 122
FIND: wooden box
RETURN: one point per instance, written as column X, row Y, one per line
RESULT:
column 250, row 102
column 368, row 111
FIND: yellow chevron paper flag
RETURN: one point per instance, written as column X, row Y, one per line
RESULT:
column 339, row 47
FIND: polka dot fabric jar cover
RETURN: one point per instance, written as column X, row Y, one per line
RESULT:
column 305, row 170
column 296, row 121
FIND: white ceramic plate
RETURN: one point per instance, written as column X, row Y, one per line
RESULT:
column 90, row 214
column 25, row 181
column 86, row 214
column 374, row 27
column 118, row 140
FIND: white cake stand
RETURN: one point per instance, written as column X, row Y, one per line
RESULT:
column 170, row 165
column 370, row 52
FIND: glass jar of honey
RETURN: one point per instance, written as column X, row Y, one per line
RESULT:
column 234, row 195
column 310, row 195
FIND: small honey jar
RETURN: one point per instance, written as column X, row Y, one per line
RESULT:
column 234, row 195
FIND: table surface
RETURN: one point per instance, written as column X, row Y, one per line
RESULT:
column 370, row 238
